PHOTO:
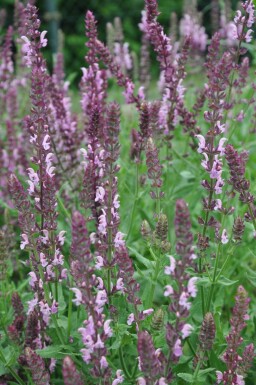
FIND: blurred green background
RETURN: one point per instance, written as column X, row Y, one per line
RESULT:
column 68, row 15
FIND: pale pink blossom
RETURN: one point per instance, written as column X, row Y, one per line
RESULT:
column 220, row 126
column 120, row 285
column 45, row 238
column 177, row 349
column 224, row 237
column 78, row 300
column 119, row 378
column 103, row 362
column 119, row 241
column 43, row 41
column 192, row 289
column 186, row 330
column 219, row 376
column 130, row 319
column 24, row 242
column 183, row 301
column 61, row 237
column 101, row 300
column 32, row 304
column 221, row 147
column 46, row 144
column 248, row 36
column 99, row 262
column 45, row 310
column 86, row 355
column 141, row 381
column 218, row 204
column 93, row 238
column 54, row 307
column 100, row 194
column 168, row 291
column 201, row 147
column 102, row 228
column 31, row 188
column 99, row 344
column 52, row 365
column 33, row 175
column 148, row 311
column 170, row 269
column 43, row 260
column 107, row 329
column 162, row 381
column 33, row 278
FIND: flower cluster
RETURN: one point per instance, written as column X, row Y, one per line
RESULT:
column 186, row 286
column 237, row 366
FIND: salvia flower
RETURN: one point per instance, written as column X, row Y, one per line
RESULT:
column 233, row 360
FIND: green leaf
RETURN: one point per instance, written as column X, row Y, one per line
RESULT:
column 205, row 371
column 53, row 351
column 205, row 281
column 225, row 281
column 145, row 261
column 187, row 377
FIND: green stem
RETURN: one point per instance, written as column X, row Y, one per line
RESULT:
column 201, row 288
column 123, row 364
column 13, row 373
column 196, row 372
column 69, row 314
column 225, row 263
column 134, row 202
column 214, row 280
column 154, row 281
column 191, row 347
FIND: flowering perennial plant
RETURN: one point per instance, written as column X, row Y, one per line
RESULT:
column 112, row 271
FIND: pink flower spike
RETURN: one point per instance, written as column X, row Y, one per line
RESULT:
column 168, row 291
column 224, row 237
column 192, row 289
column 186, row 330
